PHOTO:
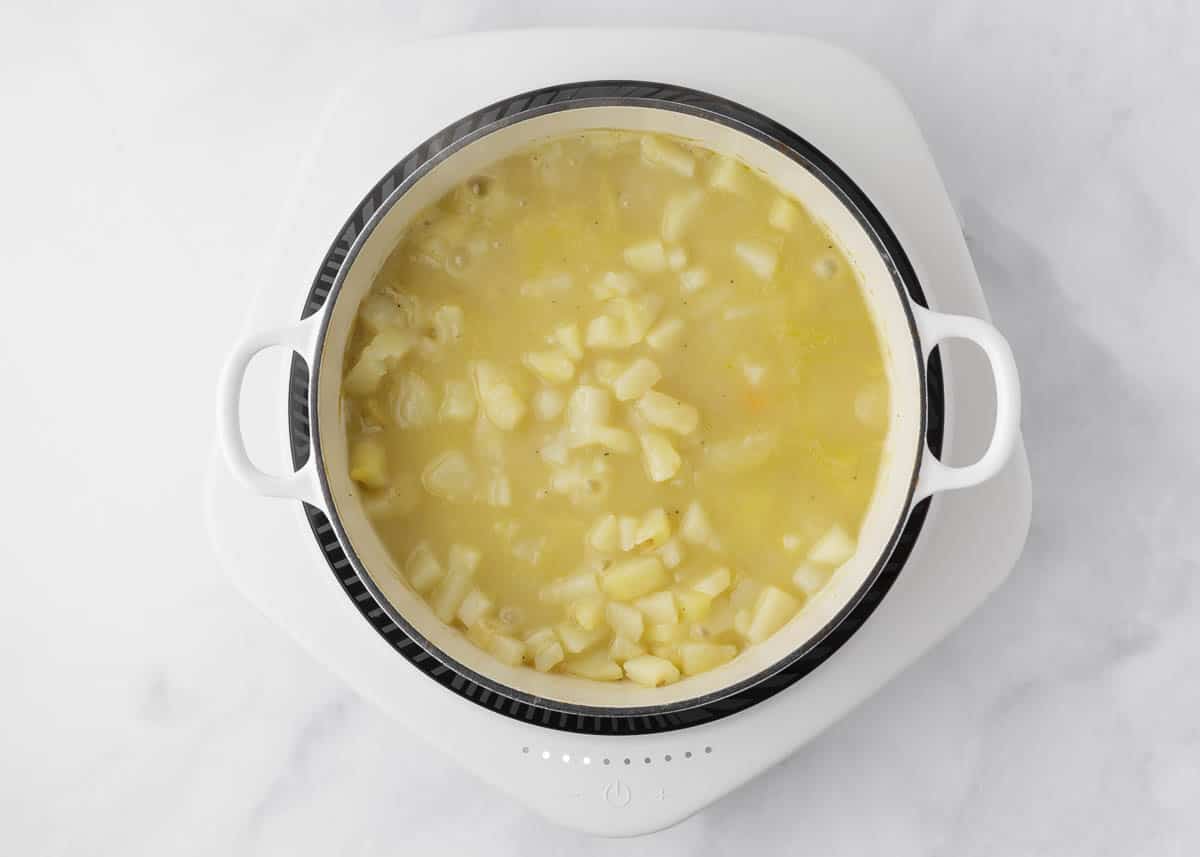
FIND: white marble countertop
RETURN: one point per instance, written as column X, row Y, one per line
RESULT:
column 149, row 710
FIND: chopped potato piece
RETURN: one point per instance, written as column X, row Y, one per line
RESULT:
column 594, row 665
column 693, row 279
column 605, row 535
column 548, row 404
column 553, row 367
column 759, row 258
column 666, row 412
column 677, row 258
column 659, row 608
column 741, row 454
column 587, row 613
column 772, row 611
column 661, row 459
column 633, row 578
column 500, row 402
column 728, row 174
column 506, row 649
column 833, row 548
column 809, row 578
column 588, row 407
column 422, row 568
column 386, row 349
column 499, row 491
column 783, row 214
column 719, row 620
column 695, row 528
column 649, row 257
column 539, row 638
column 745, row 593
column 702, row 657
column 661, row 153
column 607, row 372
column 679, row 212
column 666, row 335
column 458, row 402
column 379, row 312
column 608, row 437
column 664, row 632
column 414, row 402
column 714, row 583
column 568, row 336
column 653, row 531
column 450, row 593
column 615, row 284
column 447, row 324
column 474, row 607
column 368, row 462
column 651, row 671
column 548, row 657
column 622, row 649
column 825, row 268
column 626, row 621
column 791, row 542
column 628, row 526
column 450, row 476
column 576, row 639
column 671, row 554
column 693, row 606
column 570, row 588
column 641, row 375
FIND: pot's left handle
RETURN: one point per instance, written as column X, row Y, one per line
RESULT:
column 937, row 327
column 298, row 485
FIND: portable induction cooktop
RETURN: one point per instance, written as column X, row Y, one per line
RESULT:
column 631, row 774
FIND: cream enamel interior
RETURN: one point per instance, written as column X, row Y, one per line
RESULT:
column 900, row 447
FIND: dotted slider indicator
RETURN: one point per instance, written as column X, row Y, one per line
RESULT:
column 628, row 761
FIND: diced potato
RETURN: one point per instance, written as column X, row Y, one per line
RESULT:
column 608, row 437
column 597, row 666
column 664, row 632
column 605, row 535
column 693, row 606
column 499, row 400
column 490, row 442
column 649, row 257
column 640, row 376
column 607, row 372
column 702, row 657
column 809, row 578
column 548, row 657
column 458, row 402
column 606, row 332
column 554, row 284
column 833, row 548
column 668, row 652
column 368, row 462
column 695, row 528
column 576, row 639
column 639, row 314
column 548, row 404
column 633, row 578
column 450, row 476
column 714, row 583
column 671, row 553
column 538, row 639
column 385, row 349
column 677, row 258
column 783, row 214
column 626, row 621
column 622, row 649
column 660, row 456
column 379, row 312
column 825, row 268
column 667, row 412
column 553, row 367
column 554, row 450
column 615, row 284
column 447, row 324
column 679, row 212
column 450, row 593
column 741, row 454
column 760, row 258
column 529, row 550
column 474, row 607
column 719, row 619
column 659, row 608
column 666, row 334
column 791, row 542
column 422, row 568
column 499, row 491
column 572, row 588
column 745, row 593
column 741, row 621
column 568, row 336
column 628, row 526
column 582, row 482
column 587, row 613
column 693, row 279
column 728, row 174
column 651, row 671
column 506, row 649
column 659, row 152
column 588, row 407
column 772, row 611
column 653, row 530
column 414, row 402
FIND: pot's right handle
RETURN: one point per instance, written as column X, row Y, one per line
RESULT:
column 935, row 327
column 300, row 484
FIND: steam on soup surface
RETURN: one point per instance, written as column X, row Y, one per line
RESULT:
column 616, row 407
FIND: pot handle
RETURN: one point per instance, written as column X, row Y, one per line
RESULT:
column 299, row 485
column 935, row 327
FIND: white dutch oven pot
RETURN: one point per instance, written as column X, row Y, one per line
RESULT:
column 909, row 472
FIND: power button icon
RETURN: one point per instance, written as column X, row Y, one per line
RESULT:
column 617, row 794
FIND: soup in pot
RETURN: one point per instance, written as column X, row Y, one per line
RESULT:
column 616, row 407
